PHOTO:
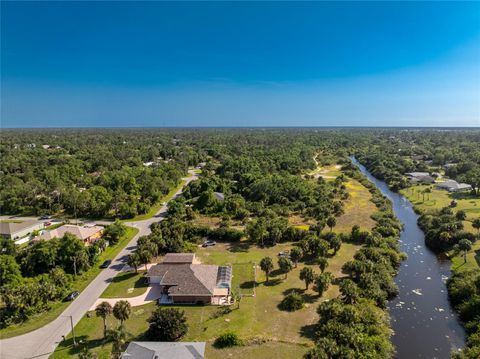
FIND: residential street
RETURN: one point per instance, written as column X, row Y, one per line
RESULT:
column 42, row 342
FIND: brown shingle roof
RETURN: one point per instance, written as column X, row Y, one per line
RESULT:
column 80, row 232
column 186, row 279
column 171, row 258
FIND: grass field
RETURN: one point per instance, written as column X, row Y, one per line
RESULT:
column 126, row 285
column 80, row 283
column 327, row 172
column 439, row 199
column 282, row 334
column 358, row 208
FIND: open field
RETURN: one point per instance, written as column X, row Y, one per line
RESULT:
column 259, row 320
column 79, row 284
column 328, row 172
column 126, row 285
column 358, row 208
column 473, row 259
column 440, row 198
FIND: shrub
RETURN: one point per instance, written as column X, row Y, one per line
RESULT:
column 226, row 340
column 292, row 302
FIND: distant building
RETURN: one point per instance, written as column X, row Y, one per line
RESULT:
column 420, row 177
column 454, row 186
column 167, row 350
column 17, row 230
column 87, row 234
column 183, row 280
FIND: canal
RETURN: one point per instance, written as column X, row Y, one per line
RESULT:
column 425, row 325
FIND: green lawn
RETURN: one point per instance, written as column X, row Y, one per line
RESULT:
column 80, row 283
column 258, row 320
column 473, row 259
column 439, row 199
column 126, row 285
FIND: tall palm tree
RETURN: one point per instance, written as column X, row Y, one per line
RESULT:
column 103, row 310
column 119, row 338
column 122, row 310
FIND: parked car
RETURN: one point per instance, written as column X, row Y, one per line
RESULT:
column 73, row 295
column 46, row 224
column 209, row 243
column 106, row 263
column 45, row 217
column 285, row 254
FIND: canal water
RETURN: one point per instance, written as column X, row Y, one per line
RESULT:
column 425, row 325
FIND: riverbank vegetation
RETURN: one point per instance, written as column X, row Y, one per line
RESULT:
column 449, row 220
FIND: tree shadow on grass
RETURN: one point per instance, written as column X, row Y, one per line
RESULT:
column 277, row 272
column 239, row 247
column 307, row 297
column 248, row 284
column 308, row 331
column 272, row 282
column 82, row 342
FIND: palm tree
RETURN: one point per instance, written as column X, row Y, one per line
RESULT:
column 285, row 265
column 144, row 256
column 118, row 338
column 133, row 261
column 322, row 282
column 349, row 291
column 331, row 222
column 122, row 310
column 103, row 310
column 464, row 245
column 322, row 263
column 295, row 254
column 476, row 224
column 307, row 275
column 266, row 264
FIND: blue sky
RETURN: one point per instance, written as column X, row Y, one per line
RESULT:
column 109, row 64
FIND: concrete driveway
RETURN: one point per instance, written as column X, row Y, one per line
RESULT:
column 152, row 293
column 42, row 342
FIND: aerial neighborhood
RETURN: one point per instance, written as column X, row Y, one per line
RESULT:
column 240, row 179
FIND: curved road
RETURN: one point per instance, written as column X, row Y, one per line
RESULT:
column 42, row 342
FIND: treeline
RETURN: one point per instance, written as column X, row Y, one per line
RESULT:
column 33, row 278
column 89, row 173
column 464, row 293
column 356, row 324
column 391, row 154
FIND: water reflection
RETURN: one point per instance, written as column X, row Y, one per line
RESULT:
column 424, row 323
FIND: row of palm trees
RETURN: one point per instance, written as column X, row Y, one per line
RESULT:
column 121, row 311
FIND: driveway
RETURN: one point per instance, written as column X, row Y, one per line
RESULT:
column 152, row 293
column 42, row 342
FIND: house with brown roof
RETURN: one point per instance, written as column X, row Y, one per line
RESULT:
column 87, row 234
column 184, row 280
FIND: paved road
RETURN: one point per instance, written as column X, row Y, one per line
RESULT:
column 42, row 342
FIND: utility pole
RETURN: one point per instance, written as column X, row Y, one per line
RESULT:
column 73, row 331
